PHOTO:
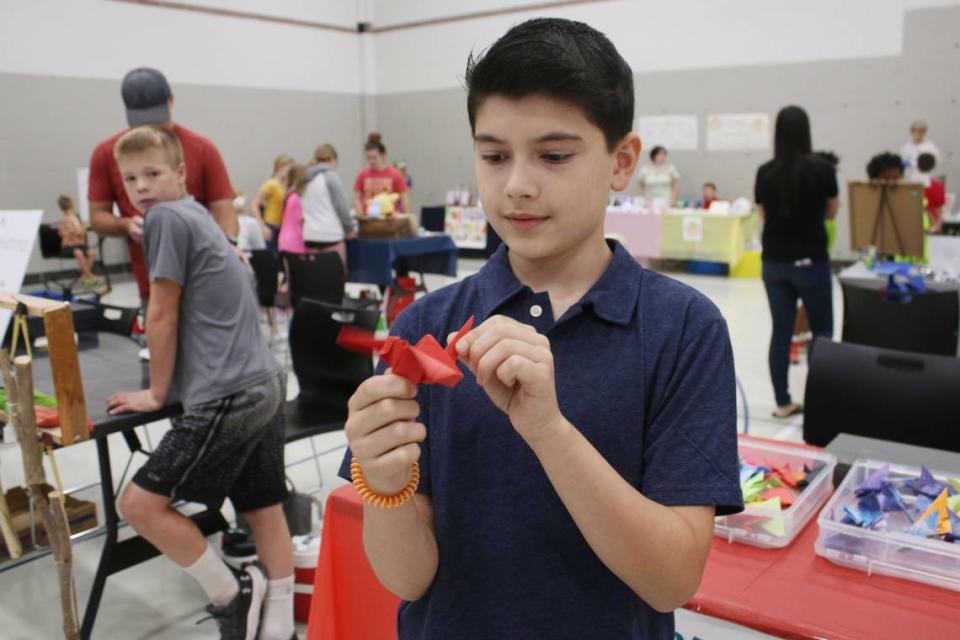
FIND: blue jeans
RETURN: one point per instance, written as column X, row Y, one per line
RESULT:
column 785, row 283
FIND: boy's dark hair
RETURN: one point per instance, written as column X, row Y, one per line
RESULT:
column 65, row 202
column 656, row 151
column 828, row 156
column 710, row 184
column 881, row 162
column 926, row 162
column 375, row 143
column 562, row 59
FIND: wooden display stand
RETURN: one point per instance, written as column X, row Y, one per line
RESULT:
column 58, row 326
column 888, row 216
column 398, row 225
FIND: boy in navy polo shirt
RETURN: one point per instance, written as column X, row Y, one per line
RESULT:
column 568, row 484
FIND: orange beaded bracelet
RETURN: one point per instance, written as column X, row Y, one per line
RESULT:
column 381, row 501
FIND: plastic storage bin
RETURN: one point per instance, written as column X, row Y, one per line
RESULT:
column 762, row 527
column 893, row 552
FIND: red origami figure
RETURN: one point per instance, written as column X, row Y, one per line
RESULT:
column 426, row 363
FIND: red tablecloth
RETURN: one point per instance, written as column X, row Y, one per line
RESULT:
column 791, row 593
column 349, row 603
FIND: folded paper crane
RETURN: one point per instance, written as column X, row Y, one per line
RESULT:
column 424, row 363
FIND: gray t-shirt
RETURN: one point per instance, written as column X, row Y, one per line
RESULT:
column 220, row 350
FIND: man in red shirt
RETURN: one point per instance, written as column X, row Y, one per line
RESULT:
column 148, row 100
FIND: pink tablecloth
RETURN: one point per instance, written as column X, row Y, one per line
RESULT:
column 640, row 232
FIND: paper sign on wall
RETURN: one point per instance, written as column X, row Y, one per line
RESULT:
column 672, row 132
column 692, row 229
column 18, row 233
column 738, row 132
column 83, row 205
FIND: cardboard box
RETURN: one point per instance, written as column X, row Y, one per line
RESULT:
column 81, row 515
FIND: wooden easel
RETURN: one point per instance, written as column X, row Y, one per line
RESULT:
column 72, row 410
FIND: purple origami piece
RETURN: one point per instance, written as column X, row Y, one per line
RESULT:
column 874, row 482
column 893, row 501
column 927, row 485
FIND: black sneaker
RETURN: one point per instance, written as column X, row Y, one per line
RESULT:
column 240, row 618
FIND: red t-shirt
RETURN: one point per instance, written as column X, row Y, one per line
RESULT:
column 936, row 197
column 207, row 181
column 370, row 183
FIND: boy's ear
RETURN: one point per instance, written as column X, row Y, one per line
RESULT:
column 182, row 171
column 626, row 157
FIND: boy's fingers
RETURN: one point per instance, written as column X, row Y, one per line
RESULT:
column 393, row 461
column 488, row 364
column 508, row 329
column 381, row 413
column 388, row 438
column 379, row 387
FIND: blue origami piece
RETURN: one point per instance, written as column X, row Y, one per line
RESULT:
column 901, row 286
column 893, row 501
column 867, row 515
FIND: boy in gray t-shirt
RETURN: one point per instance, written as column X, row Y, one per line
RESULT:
column 206, row 351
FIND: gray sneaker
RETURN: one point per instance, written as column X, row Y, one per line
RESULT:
column 240, row 618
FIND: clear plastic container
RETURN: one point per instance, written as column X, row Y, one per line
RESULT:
column 893, row 552
column 762, row 527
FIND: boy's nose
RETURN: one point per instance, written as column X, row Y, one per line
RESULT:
column 520, row 183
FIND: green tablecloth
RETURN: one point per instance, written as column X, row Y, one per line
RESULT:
column 712, row 237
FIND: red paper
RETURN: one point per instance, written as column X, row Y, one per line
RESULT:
column 426, row 363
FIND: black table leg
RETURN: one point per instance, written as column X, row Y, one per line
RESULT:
column 111, row 521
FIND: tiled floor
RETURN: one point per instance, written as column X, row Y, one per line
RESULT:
column 156, row 600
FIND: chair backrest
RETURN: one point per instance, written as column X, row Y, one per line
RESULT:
column 926, row 324
column 328, row 374
column 50, row 242
column 318, row 276
column 265, row 266
column 881, row 393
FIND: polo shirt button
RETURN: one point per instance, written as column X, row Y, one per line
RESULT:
column 536, row 311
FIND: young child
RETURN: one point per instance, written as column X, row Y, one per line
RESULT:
column 568, row 485
column 73, row 241
column 709, row 194
column 207, row 352
column 933, row 190
column 267, row 205
column 251, row 236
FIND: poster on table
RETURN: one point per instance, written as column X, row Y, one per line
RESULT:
column 676, row 133
column 738, row 132
column 467, row 226
column 692, row 229
column 18, row 233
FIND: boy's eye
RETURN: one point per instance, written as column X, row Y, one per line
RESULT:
column 129, row 178
column 557, row 158
column 493, row 157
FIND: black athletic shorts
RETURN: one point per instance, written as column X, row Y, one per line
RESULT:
column 226, row 448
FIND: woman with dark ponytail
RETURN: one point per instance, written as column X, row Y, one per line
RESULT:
column 796, row 192
column 379, row 177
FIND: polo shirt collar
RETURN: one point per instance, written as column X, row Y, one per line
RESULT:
column 613, row 297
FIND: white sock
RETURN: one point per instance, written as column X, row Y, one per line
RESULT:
column 215, row 577
column 277, row 620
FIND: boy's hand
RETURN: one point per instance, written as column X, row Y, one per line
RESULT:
column 383, row 433
column 133, row 401
column 514, row 365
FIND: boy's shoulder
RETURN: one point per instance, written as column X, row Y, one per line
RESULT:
column 659, row 302
column 186, row 213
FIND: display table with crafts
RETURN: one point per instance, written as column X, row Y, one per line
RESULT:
column 371, row 261
column 788, row 592
column 684, row 234
column 467, row 226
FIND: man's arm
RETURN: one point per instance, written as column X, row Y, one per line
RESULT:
column 358, row 203
column 106, row 224
column 833, row 205
column 405, row 201
column 225, row 215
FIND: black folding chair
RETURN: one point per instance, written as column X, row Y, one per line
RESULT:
column 318, row 276
column 881, row 393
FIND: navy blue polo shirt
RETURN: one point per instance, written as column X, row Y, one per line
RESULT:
column 644, row 369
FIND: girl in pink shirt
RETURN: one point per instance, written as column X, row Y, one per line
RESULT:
column 291, row 230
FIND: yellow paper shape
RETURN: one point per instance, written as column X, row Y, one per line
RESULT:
column 773, row 526
column 941, row 508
